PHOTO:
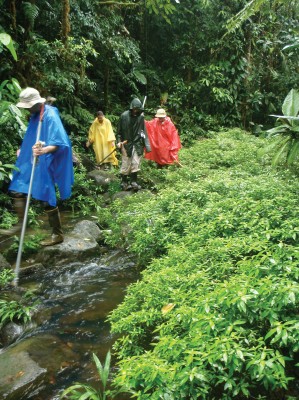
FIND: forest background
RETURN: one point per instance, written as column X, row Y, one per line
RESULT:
column 209, row 63
column 213, row 65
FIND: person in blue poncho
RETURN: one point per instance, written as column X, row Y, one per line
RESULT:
column 54, row 166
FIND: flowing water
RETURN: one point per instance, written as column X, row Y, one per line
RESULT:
column 74, row 303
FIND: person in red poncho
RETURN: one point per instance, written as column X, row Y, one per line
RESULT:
column 164, row 140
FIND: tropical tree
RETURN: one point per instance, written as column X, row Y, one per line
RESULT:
column 286, row 134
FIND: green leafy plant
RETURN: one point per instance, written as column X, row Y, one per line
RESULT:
column 7, row 219
column 286, row 134
column 114, row 187
column 15, row 310
column 5, row 172
column 214, row 314
column 85, row 194
column 7, row 41
column 31, row 245
column 6, row 276
column 80, row 391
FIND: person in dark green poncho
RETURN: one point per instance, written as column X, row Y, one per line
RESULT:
column 131, row 129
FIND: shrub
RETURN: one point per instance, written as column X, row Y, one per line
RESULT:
column 215, row 313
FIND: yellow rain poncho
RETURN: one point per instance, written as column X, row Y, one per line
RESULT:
column 102, row 137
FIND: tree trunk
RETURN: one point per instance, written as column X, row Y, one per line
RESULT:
column 65, row 28
column 13, row 10
column 106, row 88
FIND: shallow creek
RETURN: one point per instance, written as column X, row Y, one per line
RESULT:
column 71, row 323
column 74, row 302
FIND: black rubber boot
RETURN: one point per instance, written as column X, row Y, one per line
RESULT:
column 125, row 182
column 55, row 223
column 134, row 185
column 19, row 205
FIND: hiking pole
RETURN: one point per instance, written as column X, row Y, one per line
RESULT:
column 144, row 100
column 176, row 161
column 19, row 256
column 124, row 142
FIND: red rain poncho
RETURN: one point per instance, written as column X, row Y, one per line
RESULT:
column 164, row 140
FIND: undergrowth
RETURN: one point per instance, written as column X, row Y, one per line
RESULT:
column 215, row 315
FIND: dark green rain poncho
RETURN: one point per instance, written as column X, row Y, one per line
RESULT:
column 132, row 128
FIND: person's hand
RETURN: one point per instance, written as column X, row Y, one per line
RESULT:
column 120, row 144
column 87, row 143
column 38, row 149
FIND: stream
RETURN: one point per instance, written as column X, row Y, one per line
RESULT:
column 77, row 300
column 74, row 302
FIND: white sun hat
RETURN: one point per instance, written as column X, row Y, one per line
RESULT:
column 161, row 113
column 29, row 97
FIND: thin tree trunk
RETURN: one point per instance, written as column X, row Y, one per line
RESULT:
column 13, row 10
column 106, row 88
column 65, row 28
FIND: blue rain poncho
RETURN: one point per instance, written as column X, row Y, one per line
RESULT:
column 51, row 169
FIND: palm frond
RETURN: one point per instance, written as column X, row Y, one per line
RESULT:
column 283, row 147
column 293, row 152
column 31, row 12
column 290, row 105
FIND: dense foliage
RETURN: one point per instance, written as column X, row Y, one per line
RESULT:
column 210, row 64
column 286, row 133
column 215, row 315
column 92, row 55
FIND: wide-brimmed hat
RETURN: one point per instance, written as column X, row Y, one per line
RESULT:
column 161, row 113
column 29, row 97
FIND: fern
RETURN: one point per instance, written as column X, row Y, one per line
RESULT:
column 31, row 12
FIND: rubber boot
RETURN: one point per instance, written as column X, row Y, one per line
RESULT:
column 19, row 205
column 134, row 185
column 55, row 224
column 124, row 182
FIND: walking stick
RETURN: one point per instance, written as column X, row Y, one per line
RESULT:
column 144, row 100
column 176, row 161
column 124, row 142
column 19, row 256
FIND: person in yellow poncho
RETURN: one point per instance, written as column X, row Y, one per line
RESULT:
column 102, row 138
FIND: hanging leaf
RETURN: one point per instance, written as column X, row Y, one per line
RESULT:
column 140, row 77
column 290, row 105
column 167, row 308
column 7, row 41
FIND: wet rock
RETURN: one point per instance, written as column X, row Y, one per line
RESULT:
column 87, row 163
column 31, row 269
column 102, row 178
column 88, row 229
column 18, row 378
column 121, row 195
column 26, row 367
column 10, row 332
column 78, row 245
column 3, row 263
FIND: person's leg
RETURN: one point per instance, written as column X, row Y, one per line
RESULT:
column 55, row 224
column 19, row 205
column 125, row 170
column 134, row 184
column 125, row 182
column 135, row 168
